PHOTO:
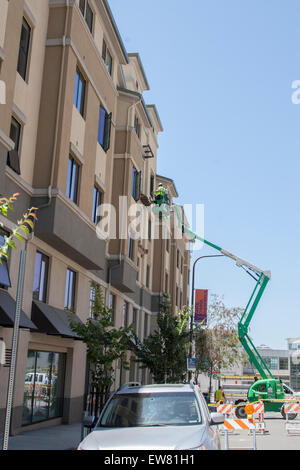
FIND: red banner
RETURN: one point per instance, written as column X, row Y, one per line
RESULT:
column 201, row 306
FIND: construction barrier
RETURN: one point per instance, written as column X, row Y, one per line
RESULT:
column 290, row 424
column 238, row 424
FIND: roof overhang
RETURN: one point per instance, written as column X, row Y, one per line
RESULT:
column 53, row 321
column 8, row 311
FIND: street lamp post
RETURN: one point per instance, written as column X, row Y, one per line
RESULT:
column 192, row 306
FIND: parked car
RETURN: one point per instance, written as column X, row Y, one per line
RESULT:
column 155, row 417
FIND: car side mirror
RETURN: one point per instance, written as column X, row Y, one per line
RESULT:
column 216, row 419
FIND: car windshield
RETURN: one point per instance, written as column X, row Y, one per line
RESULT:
column 151, row 409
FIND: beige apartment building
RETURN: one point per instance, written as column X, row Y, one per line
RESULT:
column 76, row 133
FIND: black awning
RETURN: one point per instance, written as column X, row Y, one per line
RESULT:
column 8, row 310
column 53, row 321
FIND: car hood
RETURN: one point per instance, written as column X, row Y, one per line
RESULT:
column 143, row 438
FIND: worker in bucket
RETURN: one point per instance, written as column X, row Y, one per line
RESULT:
column 162, row 195
column 219, row 395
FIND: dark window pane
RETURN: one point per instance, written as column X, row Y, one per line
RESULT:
column 79, row 92
column 97, row 200
column 72, row 180
column 70, row 289
column 44, row 386
column 15, row 133
column 24, row 49
column 89, row 17
column 101, row 127
column 40, row 277
column 82, row 6
column 130, row 247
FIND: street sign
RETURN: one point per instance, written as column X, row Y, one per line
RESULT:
column 201, row 306
column 191, row 363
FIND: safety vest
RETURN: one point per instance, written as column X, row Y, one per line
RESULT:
column 220, row 395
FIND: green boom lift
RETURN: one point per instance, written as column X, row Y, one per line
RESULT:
column 268, row 388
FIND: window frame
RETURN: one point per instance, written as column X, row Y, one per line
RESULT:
column 67, row 289
column 97, row 201
column 105, row 53
column 84, row 11
column 79, row 78
column 24, row 73
column 46, row 259
column 70, row 175
column 104, row 128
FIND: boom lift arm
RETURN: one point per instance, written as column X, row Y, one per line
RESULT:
column 261, row 278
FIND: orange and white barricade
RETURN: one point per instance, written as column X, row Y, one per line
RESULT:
column 260, row 425
column 225, row 409
column 291, row 410
column 240, row 425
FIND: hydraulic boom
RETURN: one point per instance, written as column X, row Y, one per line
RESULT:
column 261, row 278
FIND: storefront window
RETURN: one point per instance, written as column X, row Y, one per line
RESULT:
column 44, row 386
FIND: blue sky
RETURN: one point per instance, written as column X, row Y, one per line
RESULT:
column 221, row 75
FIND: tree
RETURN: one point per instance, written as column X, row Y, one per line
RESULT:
column 24, row 226
column 217, row 344
column 164, row 352
column 105, row 344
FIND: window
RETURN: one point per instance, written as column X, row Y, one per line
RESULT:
column 176, row 296
column 136, row 184
column 92, row 300
column 79, row 92
column 125, row 314
column 24, row 49
column 112, row 306
column 97, row 201
column 168, row 245
column 178, row 257
column 131, row 247
column 134, row 320
column 70, row 290
column 104, row 129
column 149, row 231
column 283, row 363
column 4, row 274
column 272, row 362
column 107, row 58
column 180, row 299
column 145, row 326
column 151, row 185
column 44, row 386
column 87, row 13
column 15, row 133
column 13, row 160
column 148, row 277
column 73, row 180
column 40, row 280
column 137, row 126
column 166, row 283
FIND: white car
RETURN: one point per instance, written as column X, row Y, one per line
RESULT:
column 155, row 417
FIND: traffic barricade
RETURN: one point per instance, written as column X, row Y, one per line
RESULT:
column 258, row 413
column 291, row 424
column 240, row 425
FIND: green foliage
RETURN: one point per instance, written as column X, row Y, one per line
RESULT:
column 164, row 352
column 24, row 226
column 105, row 344
column 217, row 343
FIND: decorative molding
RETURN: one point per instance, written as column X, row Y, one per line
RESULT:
column 6, row 141
column 29, row 15
column 76, row 153
column 19, row 114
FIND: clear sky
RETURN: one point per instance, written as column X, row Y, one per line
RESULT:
column 221, row 73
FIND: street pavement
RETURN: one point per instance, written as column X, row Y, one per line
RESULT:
column 276, row 439
column 64, row 437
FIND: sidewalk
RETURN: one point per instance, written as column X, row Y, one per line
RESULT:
column 63, row 437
